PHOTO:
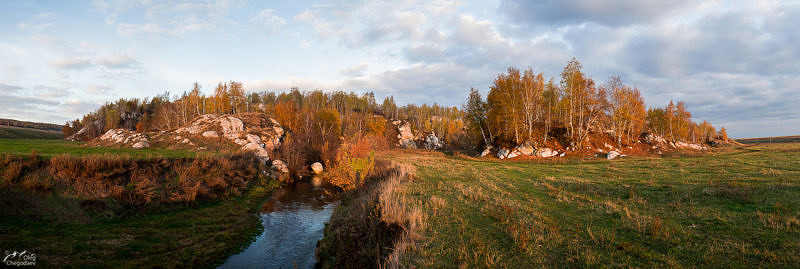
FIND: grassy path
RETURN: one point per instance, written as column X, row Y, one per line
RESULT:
column 730, row 208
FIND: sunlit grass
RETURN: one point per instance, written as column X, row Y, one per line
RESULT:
column 729, row 208
column 49, row 148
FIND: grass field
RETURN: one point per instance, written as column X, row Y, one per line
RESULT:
column 49, row 148
column 191, row 237
column 730, row 208
column 17, row 132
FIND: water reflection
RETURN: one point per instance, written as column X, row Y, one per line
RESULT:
column 293, row 221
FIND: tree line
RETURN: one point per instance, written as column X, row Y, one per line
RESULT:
column 524, row 107
column 354, row 113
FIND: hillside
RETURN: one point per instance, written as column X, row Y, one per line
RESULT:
column 32, row 133
column 31, row 125
column 774, row 139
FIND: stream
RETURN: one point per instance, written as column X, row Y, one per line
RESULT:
column 293, row 220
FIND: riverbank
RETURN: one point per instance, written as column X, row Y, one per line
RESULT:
column 198, row 236
column 374, row 224
column 731, row 207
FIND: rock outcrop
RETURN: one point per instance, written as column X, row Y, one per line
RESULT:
column 405, row 137
column 433, row 142
column 125, row 138
column 251, row 132
column 546, row 153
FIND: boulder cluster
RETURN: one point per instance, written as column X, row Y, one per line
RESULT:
column 126, row 138
column 524, row 149
column 407, row 139
column 253, row 133
column 261, row 136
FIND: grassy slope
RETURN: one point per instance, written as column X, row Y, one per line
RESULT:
column 50, row 148
column 192, row 237
column 18, row 132
column 733, row 208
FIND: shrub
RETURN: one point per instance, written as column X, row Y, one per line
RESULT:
column 355, row 161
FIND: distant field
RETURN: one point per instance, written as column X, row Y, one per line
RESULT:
column 776, row 139
column 18, row 132
column 49, row 148
column 730, row 208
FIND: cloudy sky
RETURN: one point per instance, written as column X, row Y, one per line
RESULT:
column 735, row 63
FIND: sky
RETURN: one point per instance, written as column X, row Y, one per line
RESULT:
column 734, row 63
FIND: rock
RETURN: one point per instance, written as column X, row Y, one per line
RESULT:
column 433, row 142
column 280, row 166
column 316, row 168
column 257, row 150
column 612, row 155
column 562, row 154
column 231, row 127
column 187, row 141
column 141, row 145
column 502, row 153
column 253, row 139
column 546, row 153
column 513, row 154
column 210, row 134
column 240, row 142
column 486, row 151
column 525, row 148
column 405, row 138
column 654, row 139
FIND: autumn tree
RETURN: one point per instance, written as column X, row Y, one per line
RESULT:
column 627, row 111
column 580, row 101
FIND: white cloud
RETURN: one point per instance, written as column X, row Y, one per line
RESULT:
column 72, row 63
column 354, row 71
column 133, row 18
column 269, row 20
column 36, row 27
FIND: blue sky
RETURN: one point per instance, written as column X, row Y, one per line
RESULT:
column 735, row 63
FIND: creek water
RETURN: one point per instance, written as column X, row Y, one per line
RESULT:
column 293, row 220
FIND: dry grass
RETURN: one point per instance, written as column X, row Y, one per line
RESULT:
column 133, row 182
column 729, row 208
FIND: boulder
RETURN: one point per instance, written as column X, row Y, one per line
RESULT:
column 433, row 142
column 405, row 137
column 486, row 151
column 232, row 127
column 546, row 153
column 502, row 153
column 141, row 145
column 240, row 142
column 612, row 155
column 253, row 139
column 257, row 150
column 513, row 154
column 280, row 166
column 653, row 139
column 525, row 148
column 316, row 167
column 210, row 134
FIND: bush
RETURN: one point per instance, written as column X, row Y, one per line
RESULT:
column 355, row 161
